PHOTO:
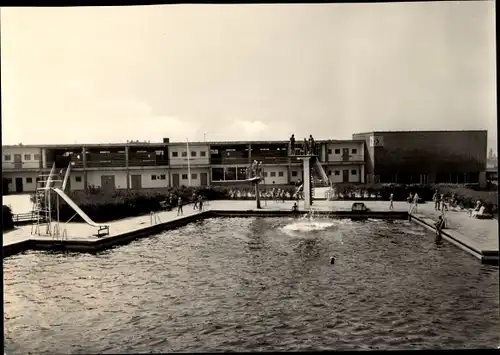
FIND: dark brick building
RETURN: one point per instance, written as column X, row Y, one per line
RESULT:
column 425, row 156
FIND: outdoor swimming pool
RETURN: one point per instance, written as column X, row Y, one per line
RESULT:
column 250, row 284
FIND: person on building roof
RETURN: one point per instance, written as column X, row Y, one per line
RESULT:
column 306, row 147
column 311, row 144
column 292, row 145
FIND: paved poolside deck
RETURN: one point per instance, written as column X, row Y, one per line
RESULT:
column 481, row 235
column 82, row 231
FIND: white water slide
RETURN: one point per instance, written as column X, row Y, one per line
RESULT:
column 321, row 171
column 78, row 210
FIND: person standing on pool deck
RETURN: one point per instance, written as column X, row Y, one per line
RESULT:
column 195, row 201
column 179, row 206
column 415, row 202
column 435, row 199
column 200, row 202
column 391, row 198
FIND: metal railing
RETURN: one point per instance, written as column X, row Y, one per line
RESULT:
column 23, row 217
column 271, row 160
column 229, row 160
column 335, row 158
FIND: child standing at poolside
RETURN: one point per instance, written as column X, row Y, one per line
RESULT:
column 391, row 198
column 179, row 206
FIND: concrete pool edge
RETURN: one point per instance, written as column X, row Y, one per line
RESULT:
column 490, row 257
column 96, row 245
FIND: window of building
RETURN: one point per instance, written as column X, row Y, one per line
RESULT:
column 329, row 173
column 354, row 151
column 36, row 157
column 194, row 176
column 294, row 173
column 163, row 177
column 7, row 157
column 193, row 153
column 329, row 151
column 265, row 173
column 273, row 173
column 153, row 177
column 78, row 178
column 29, row 180
column 337, row 151
column 203, row 154
column 354, row 172
column 9, row 180
column 184, row 176
column 175, row 154
column 184, row 154
column 280, row 173
column 27, row 156
column 337, row 172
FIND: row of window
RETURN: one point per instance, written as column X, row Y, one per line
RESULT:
column 337, row 172
column 159, row 177
column 337, row 151
column 193, row 154
column 27, row 156
column 183, row 176
column 280, row 173
column 29, row 180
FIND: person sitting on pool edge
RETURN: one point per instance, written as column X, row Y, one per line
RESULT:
column 440, row 224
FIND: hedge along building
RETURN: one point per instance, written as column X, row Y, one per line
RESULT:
column 457, row 157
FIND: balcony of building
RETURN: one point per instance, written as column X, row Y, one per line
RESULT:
column 62, row 157
column 270, row 153
column 104, row 157
column 301, row 148
column 147, row 156
column 229, row 154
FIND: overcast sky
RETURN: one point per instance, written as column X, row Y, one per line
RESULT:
column 110, row 74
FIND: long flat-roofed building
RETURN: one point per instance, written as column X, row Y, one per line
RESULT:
column 138, row 165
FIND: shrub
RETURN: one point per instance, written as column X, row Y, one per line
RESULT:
column 104, row 206
column 7, row 221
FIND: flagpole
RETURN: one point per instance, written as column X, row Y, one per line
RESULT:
column 189, row 164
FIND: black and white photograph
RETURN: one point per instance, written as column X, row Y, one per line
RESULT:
column 198, row 178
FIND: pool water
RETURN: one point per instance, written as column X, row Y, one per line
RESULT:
column 252, row 284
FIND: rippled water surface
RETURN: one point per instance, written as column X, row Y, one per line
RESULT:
column 249, row 284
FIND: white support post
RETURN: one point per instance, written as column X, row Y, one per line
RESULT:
column 306, row 160
column 66, row 176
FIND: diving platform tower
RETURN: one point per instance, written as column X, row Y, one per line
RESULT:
column 311, row 163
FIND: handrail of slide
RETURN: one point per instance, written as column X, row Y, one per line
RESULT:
column 320, row 169
column 77, row 209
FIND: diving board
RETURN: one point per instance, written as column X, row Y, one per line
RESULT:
column 102, row 227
